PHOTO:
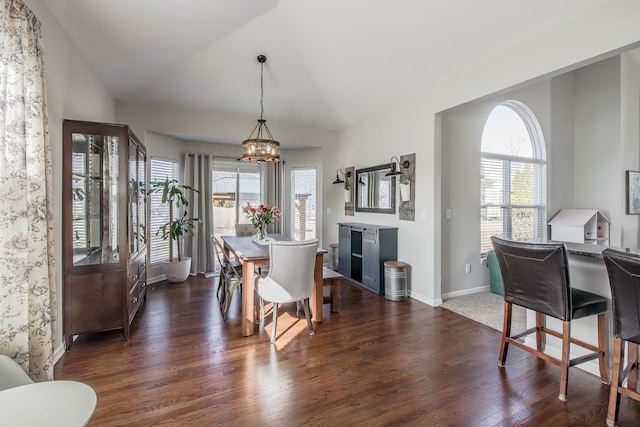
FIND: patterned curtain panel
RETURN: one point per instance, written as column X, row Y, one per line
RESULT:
column 198, row 173
column 27, row 281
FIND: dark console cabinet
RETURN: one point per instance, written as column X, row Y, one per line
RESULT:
column 363, row 249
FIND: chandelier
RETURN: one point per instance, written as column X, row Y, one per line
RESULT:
column 260, row 146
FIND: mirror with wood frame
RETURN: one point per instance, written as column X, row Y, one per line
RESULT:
column 375, row 192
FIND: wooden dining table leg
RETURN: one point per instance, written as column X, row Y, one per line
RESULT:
column 248, row 298
column 316, row 296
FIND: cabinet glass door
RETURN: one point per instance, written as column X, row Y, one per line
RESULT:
column 133, row 197
column 137, row 195
column 142, row 213
column 95, row 199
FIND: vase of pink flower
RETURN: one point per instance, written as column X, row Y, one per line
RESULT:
column 261, row 216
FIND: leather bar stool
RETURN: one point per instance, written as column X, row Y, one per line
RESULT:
column 536, row 277
column 624, row 279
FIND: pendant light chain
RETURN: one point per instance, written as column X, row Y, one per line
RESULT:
column 261, row 89
column 261, row 148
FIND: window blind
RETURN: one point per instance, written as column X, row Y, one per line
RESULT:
column 511, row 200
column 160, row 170
column 303, row 185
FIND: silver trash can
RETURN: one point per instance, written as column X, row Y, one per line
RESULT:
column 395, row 280
column 333, row 256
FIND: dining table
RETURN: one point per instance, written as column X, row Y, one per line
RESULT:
column 253, row 255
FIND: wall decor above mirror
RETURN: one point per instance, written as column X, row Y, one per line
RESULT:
column 376, row 192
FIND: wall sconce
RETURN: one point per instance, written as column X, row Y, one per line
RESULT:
column 346, row 182
column 405, row 182
column 393, row 171
column 341, row 181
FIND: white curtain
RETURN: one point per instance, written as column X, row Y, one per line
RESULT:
column 272, row 192
column 198, row 173
column 27, row 281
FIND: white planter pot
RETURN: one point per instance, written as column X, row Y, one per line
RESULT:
column 177, row 271
column 405, row 192
column 347, row 196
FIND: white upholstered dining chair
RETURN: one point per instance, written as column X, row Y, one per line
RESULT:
column 290, row 279
column 12, row 374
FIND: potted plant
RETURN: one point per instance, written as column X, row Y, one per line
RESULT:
column 175, row 193
column 405, row 189
column 347, row 192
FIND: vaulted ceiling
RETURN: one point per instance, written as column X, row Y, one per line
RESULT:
column 330, row 62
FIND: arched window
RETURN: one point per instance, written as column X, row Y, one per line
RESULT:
column 512, row 173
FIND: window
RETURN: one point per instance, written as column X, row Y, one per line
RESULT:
column 235, row 184
column 303, row 201
column 161, row 169
column 512, row 173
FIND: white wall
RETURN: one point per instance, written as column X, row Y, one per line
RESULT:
column 630, row 137
column 461, row 143
column 221, row 127
column 73, row 92
column 372, row 143
column 561, row 144
column 580, row 117
column 411, row 126
column 597, row 143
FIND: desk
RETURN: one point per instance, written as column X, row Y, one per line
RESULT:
column 50, row 403
column 252, row 255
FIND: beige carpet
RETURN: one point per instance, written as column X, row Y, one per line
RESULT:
column 487, row 308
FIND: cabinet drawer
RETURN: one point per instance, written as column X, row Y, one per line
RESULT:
column 370, row 235
column 133, row 279
column 134, row 301
column 137, row 269
column 142, row 283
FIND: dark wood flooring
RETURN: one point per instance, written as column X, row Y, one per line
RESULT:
column 375, row 363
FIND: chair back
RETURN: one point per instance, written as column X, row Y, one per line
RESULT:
column 624, row 279
column 11, row 374
column 535, row 276
column 245, row 229
column 227, row 268
column 292, row 265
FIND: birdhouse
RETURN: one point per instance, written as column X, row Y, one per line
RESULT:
column 580, row 226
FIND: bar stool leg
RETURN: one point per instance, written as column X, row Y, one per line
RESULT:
column 602, row 348
column 506, row 333
column 564, row 363
column 540, row 337
column 632, row 351
column 616, row 373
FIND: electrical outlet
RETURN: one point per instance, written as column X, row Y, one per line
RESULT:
column 467, row 268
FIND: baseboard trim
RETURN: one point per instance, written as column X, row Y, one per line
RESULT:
column 429, row 301
column 156, row 279
column 465, row 292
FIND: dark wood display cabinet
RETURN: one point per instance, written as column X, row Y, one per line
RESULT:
column 104, row 227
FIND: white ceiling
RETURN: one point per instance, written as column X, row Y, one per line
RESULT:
column 330, row 62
